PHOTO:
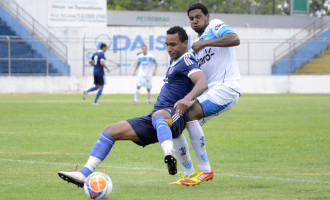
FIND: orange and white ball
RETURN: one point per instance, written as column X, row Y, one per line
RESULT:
column 98, row 186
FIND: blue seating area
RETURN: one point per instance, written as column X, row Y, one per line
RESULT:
column 302, row 55
column 26, row 57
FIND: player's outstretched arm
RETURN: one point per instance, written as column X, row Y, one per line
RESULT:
column 200, row 82
column 228, row 40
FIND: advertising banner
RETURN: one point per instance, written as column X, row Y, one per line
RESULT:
column 77, row 13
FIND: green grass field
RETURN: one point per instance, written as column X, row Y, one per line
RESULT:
column 274, row 146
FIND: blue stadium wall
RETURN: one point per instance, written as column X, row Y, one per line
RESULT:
column 302, row 55
column 62, row 68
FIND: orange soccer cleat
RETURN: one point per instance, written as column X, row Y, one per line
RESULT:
column 179, row 181
column 197, row 177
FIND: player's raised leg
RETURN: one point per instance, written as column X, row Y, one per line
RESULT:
column 119, row 131
column 165, row 138
column 85, row 93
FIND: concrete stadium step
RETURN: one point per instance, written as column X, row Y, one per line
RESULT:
column 319, row 65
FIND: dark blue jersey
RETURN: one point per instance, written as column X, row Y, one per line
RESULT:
column 177, row 83
column 96, row 58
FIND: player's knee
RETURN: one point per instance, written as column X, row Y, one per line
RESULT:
column 195, row 112
column 112, row 132
column 191, row 115
column 162, row 113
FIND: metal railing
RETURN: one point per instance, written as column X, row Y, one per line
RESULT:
column 37, row 30
column 304, row 36
column 17, row 57
column 255, row 57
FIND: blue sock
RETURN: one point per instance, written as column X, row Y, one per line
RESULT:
column 99, row 93
column 100, row 150
column 163, row 130
column 86, row 172
column 91, row 89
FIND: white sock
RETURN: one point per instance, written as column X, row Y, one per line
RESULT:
column 197, row 141
column 181, row 151
column 136, row 96
column 167, row 147
column 149, row 96
column 92, row 163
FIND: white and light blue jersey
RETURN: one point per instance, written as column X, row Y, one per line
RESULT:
column 146, row 64
column 219, row 64
column 177, row 82
column 97, row 57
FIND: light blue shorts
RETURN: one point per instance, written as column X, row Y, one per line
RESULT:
column 216, row 100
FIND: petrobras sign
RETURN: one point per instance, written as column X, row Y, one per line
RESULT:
column 77, row 13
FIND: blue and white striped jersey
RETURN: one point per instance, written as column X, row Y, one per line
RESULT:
column 219, row 64
column 146, row 64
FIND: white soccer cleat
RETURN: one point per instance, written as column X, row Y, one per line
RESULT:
column 95, row 104
column 76, row 178
column 84, row 95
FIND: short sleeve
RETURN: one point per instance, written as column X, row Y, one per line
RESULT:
column 191, row 65
column 102, row 57
column 219, row 28
column 138, row 61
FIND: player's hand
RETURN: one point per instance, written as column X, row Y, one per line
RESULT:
column 134, row 73
column 181, row 106
column 197, row 46
column 154, row 73
column 108, row 70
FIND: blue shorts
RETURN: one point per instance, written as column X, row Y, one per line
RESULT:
column 146, row 132
column 99, row 80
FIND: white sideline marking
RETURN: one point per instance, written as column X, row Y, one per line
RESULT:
column 33, row 101
column 158, row 170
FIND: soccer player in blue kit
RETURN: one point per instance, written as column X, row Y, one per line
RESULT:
column 98, row 61
column 184, row 82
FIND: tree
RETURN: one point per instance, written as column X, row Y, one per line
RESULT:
column 259, row 7
column 319, row 7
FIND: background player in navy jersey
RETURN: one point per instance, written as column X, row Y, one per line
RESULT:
column 184, row 82
column 147, row 66
column 98, row 61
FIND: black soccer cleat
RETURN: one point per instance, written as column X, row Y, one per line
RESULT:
column 170, row 161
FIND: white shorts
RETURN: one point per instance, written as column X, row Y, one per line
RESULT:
column 216, row 100
column 144, row 82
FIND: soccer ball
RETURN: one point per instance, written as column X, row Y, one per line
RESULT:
column 98, row 186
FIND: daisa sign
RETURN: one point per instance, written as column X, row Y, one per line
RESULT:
column 129, row 43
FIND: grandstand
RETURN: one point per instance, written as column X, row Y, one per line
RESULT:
column 36, row 41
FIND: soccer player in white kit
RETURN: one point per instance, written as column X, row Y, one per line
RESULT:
column 217, row 58
column 147, row 66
